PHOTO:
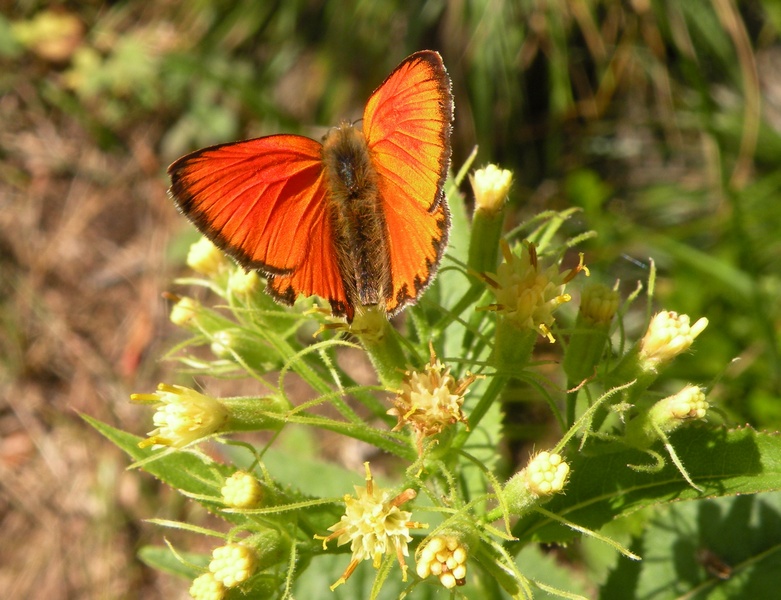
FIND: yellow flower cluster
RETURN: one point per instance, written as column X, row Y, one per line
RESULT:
column 430, row 400
column 444, row 557
column 207, row 587
column 689, row 403
column 527, row 293
column 374, row 524
column 183, row 415
column 546, row 474
column 233, row 564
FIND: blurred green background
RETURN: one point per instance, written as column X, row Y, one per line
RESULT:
column 660, row 119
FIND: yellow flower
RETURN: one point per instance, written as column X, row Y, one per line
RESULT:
column 183, row 415
column 233, row 564
column 527, row 293
column 206, row 258
column 430, row 400
column 207, row 587
column 242, row 490
column 444, row 557
column 243, row 282
column 183, row 312
column 490, row 185
column 374, row 525
column 669, row 334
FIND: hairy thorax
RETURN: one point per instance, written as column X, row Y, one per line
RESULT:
column 355, row 210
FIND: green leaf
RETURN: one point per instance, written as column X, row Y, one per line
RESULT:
column 548, row 569
column 602, row 488
column 307, row 472
column 720, row 548
column 161, row 558
column 482, row 443
column 326, row 569
column 185, row 470
column 450, row 280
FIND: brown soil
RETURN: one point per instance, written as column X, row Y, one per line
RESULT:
column 83, row 234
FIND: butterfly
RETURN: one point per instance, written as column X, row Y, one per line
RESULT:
column 360, row 219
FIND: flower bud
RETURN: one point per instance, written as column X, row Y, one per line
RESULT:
column 668, row 335
column 207, row 587
column 184, row 311
column 491, row 185
column 192, row 315
column 242, row 490
column 233, row 564
column 545, row 474
column 243, row 282
column 206, row 258
column 666, row 416
column 246, row 347
column 598, row 306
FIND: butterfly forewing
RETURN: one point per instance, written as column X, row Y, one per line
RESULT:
column 263, row 202
column 407, row 125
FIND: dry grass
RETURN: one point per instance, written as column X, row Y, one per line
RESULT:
column 83, row 235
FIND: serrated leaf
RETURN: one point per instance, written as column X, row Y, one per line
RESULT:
column 196, row 474
column 720, row 548
column 602, row 488
column 184, row 470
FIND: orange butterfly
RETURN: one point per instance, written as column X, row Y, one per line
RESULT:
column 359, row 220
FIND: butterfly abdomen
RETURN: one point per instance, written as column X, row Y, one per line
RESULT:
column 355, row 210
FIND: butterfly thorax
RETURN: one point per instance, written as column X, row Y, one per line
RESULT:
column 355, row 210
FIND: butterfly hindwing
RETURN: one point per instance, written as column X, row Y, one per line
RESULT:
column 263, row 202
column 407, row 124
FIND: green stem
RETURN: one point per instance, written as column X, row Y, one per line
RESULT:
column 572, row 399
column 387, row 355
column 484, row 241
column 250, row 413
